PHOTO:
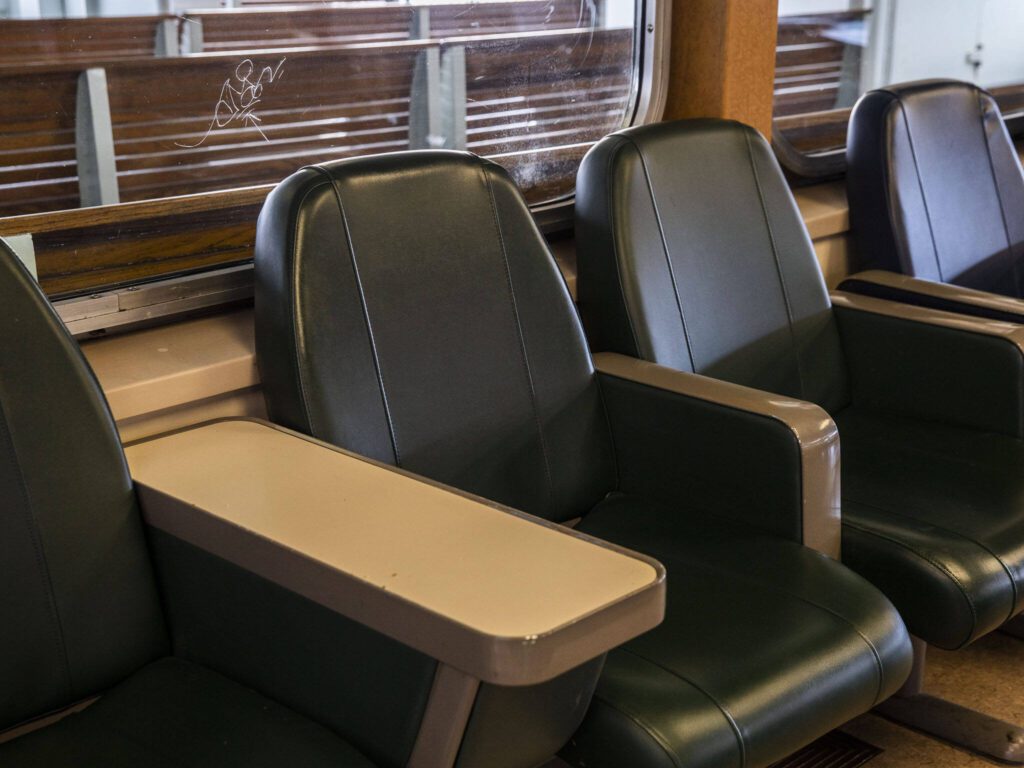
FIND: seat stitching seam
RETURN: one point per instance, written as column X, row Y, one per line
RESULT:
column 934, row 563
column 725, row 712
column 615, row 258
column 522, row 340
column 608, row 424
column 293, row 280
column 778, row 263
column 668, row 255
column 366, row 318
column 40, row 553
column 920, row 187
column 807, row 601
column 965, row 537
column 658, row 737
column 999, row 194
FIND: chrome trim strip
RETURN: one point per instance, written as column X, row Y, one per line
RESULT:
column 161, row 299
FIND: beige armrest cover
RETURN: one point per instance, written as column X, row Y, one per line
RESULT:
column 943, row 292
column 1011, row 332
column 504, row 597
column 812, row 428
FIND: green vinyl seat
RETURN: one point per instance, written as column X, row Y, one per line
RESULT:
column 936, row 193
column 762, row 603
column 408, row 309
column 124, row 645
column 693, row 254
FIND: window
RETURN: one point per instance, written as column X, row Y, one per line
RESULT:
column 183, row 113
column 831, row 51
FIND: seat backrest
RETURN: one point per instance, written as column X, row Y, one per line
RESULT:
column 935, row 187
column 692, row 253
column 408, row 309
column 78, row 603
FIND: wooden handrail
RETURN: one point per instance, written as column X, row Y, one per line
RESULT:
column 80, row 218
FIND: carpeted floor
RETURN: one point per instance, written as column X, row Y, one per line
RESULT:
column 988, row 676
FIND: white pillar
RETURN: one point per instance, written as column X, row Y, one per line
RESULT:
column 75, row 8
column 26, row 9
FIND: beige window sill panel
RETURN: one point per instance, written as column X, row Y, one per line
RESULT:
column 176, row 375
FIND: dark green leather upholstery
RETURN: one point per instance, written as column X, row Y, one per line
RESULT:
column 407, row 307
column 926, row 508
column 523, row 427
column 935, row 186
column 73, row 558
column 79, row 606
column 172, row 713
column 225, row 618
column 692, row 253
column 744, row 602
column 651, row 241
column 259, row 676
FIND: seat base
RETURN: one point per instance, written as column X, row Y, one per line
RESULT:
column 968, row 729
column 1014, row 627
column 767, row 646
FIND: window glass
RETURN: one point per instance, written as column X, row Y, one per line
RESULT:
column 831, row 51
column 129, row 101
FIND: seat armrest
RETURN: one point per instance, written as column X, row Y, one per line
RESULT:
column 496, row 594
column 927, row 293
column 926, row 363
column 766, row 459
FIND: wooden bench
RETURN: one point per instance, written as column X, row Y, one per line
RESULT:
column 101, row 248
column 179, row 128
column 194, row 124
column 231, row 29
column 810, row 63
column 38, row 169
column 28, row 41
column 553, row 88
column 175, row 131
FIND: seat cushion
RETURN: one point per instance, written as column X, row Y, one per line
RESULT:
column 174, row 713
column 766, row 645
column 934, row 516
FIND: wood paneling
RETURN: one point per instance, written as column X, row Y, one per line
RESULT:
column 94, row 248
column 723, row 60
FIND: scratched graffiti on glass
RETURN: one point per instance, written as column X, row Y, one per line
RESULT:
column 239, row 98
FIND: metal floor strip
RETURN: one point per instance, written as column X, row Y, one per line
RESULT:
column 833, row 750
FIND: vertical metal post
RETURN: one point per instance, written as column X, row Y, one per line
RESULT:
column 94, row 141
column 26, row 9
column 167, row 39
column 444, row 722
column 25, row 250
column 419, row 25
column 437, row 105
column 425, row 129
column 191, row 35
column 453, row 97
